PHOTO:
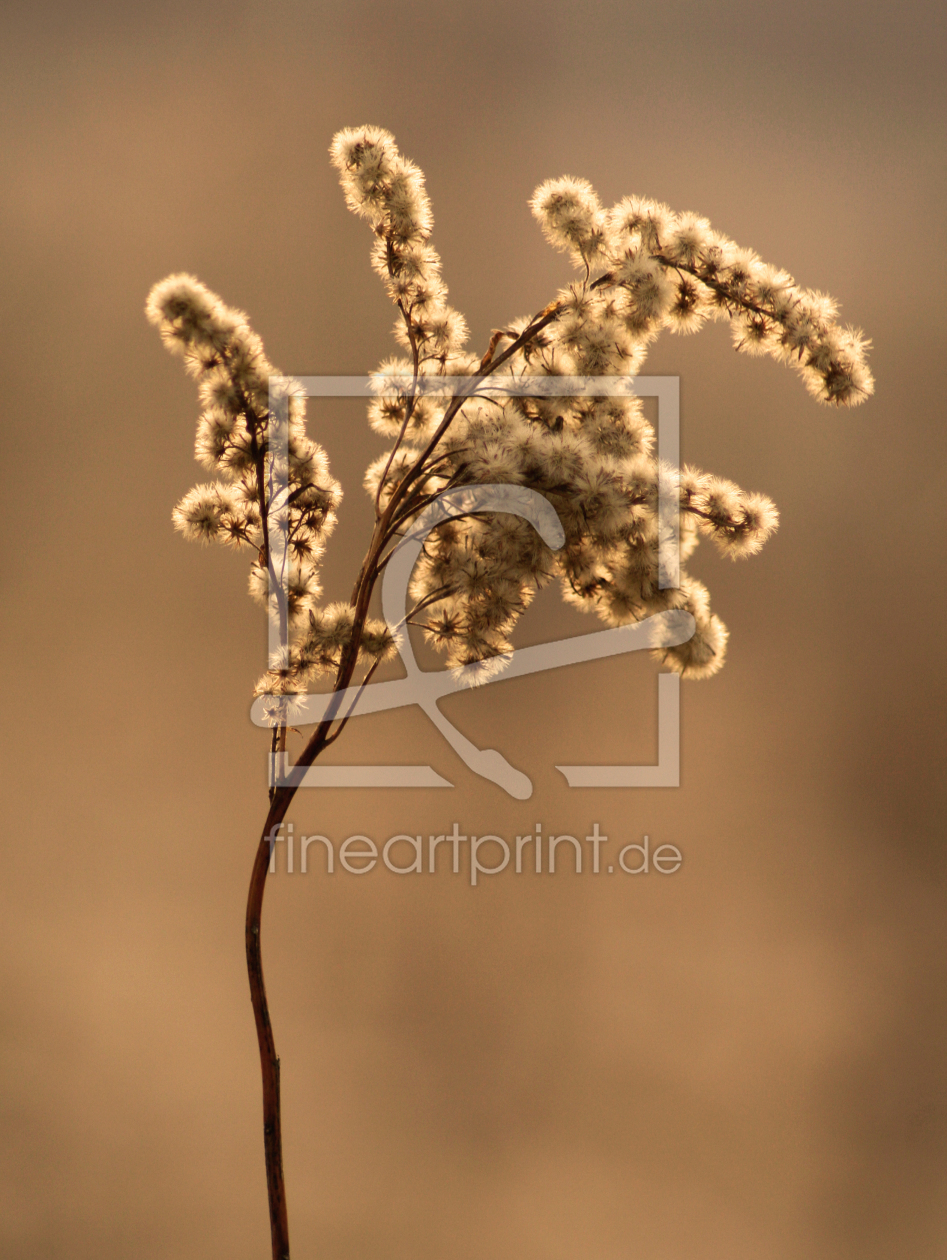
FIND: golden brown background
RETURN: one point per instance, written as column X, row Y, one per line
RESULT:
column 743, row 1060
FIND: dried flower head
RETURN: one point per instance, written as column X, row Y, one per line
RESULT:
column 643, row 269
column 592, row 458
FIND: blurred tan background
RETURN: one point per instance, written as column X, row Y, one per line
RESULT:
column 742, row 1060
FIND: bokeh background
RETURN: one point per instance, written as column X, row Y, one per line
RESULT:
column 744, row 1059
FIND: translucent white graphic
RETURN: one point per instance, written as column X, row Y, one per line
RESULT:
column 426, row 688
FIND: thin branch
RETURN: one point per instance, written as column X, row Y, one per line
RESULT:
column 410, row 403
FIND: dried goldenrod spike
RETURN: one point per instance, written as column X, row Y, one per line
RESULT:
column 236, row 435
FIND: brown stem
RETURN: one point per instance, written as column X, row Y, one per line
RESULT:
column 282, row 796
column 269, row 1061
column 279, row 804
